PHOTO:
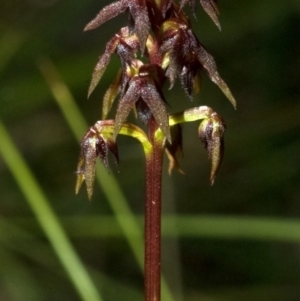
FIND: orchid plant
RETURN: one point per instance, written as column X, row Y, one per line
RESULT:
column 156, row 47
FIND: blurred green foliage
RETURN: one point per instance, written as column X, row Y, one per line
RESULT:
column 237, row 240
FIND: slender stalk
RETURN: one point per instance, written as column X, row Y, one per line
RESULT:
column 153, row 216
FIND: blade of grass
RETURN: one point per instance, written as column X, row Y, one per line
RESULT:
column 197, row 226
column 123, row 214
column 13, row 234
column 47, row 218
column 233, row 227
column 285, row 230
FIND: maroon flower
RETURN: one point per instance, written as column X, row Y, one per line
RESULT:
column 142, row 88
column 211, row 132
column 125, row 45
column 138, row 16
column 157, row 44
column 94, row 145
column 185, row 56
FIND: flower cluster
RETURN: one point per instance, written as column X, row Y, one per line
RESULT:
column 157, row 46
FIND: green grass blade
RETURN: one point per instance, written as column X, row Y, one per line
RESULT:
column 47, row 218
column 284, row 230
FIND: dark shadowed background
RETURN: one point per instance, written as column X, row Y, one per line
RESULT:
column 238, row 240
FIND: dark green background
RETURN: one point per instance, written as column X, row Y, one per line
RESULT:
column 257, row 54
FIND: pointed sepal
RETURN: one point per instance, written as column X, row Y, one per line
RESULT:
column 184, row 56
column 142, row 88
column 209, row 64
column 211, row 132
column 139, row 12
column 94, row 145
column 211, row 8
column 108, row 12
column 102, row 63
column 86, row 169
column 126, row 104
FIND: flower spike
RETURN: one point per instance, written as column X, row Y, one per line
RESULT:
column 157, row 45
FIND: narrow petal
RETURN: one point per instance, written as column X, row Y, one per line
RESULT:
column 187, row 81
column 108, row 12
column 211, row 132
column 172, row 49
column 211, row 8
column 217, row 149
column 208, row 62
column 139, row 12
column 95, row 144
column 90, row 156
column 173, row 69
column 157, row 106
column 102, row 63
column 126, row 104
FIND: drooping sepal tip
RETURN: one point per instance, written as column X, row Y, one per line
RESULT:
column 211, row 8
column 79, row 181
column 211, row 132
column 95, row 144
column 142, row 88
column 209, row 64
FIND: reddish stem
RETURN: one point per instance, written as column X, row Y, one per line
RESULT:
column 153, row 217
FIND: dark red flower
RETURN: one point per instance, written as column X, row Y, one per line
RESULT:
column 138, row 15
column 185, row 56
column 94, row 145
column 211, row 132
column 142, row 87
column 125, row 45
